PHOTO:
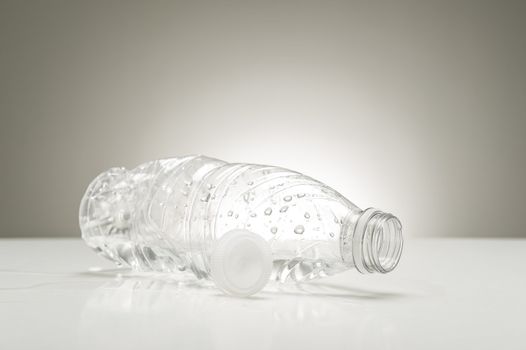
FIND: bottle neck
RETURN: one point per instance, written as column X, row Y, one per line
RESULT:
column 372, row 241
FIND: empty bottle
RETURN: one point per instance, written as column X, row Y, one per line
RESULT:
column 240, row 225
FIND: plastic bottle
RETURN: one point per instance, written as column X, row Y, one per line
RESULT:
column 237, row 224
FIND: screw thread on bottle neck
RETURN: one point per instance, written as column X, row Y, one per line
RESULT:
column 373, row 241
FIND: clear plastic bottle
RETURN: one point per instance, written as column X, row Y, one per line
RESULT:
column 183, row 215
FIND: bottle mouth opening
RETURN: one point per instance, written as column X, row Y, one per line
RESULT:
column 377, row 242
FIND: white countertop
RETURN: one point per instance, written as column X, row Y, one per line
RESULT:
column 445, row 294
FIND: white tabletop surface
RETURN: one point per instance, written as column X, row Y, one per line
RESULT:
column 445, row 294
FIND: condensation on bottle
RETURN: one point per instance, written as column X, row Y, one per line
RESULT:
column 203, row 217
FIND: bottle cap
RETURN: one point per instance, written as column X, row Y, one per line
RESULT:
column 241, row 263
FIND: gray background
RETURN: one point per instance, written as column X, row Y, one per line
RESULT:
column 414, row 107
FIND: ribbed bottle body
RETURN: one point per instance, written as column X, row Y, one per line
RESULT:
column 137, row 217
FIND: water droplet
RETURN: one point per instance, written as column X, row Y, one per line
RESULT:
column 268, row 211
column 253, row 215
column 230, row 213
column 188, row 183
column 301, row 195
column 206, row 197
column 250, row 183
column 287, row 198
column 210, row 186
column 331, row 234
column 236, row 216
column 272, row 187
column 283, row 209
column 336, row 220
column 274, row 229
column 246, row 197
column 299, row 229
column 306, row 215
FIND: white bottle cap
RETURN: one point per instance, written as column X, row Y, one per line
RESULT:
column 241, row 263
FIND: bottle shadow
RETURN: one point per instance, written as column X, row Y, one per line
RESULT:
column 124, row 277
column 337, row 291
column 314, row 289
